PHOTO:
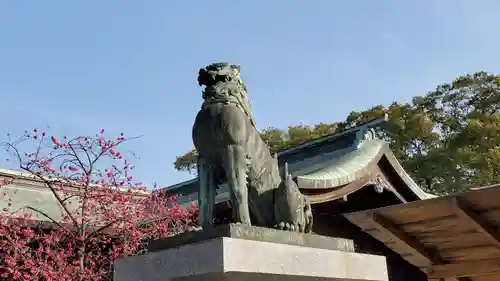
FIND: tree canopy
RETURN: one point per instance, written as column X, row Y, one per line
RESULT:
column 446, row 139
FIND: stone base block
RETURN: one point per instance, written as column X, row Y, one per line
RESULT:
column 237, row 259
column 254, row 233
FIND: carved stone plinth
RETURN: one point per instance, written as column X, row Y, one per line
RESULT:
column 241, row 253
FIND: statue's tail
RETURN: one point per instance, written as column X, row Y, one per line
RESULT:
column 308, row 216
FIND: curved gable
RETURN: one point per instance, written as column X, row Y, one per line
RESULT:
column 334, row 166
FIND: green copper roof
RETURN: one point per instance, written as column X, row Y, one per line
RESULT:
column 342, row 168
column 328, row 162
column 336, row 169
column 301, row 156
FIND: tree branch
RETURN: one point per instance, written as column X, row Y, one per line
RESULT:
column 50, row 218
column 56, row 195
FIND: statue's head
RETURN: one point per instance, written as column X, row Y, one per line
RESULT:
column 218, row 72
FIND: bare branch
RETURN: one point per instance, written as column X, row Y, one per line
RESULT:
column 56, row 195
column 49, row 217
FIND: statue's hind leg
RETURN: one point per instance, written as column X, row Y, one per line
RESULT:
column 206, row 195
column 235, row 165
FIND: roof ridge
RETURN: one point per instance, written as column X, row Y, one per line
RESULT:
column 363, row 126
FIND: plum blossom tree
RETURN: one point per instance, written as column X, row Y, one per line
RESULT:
column 104, row 213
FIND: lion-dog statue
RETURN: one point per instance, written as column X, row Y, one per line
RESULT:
column 230, row 148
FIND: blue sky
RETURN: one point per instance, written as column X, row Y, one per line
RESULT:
column 131, row 66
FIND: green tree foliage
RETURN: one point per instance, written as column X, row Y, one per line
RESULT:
column 448, row 139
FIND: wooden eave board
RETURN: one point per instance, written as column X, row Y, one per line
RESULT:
column 459, row 229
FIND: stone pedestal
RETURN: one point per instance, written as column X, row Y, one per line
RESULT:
column 244, row 253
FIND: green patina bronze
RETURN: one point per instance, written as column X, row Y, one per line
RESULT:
column 230, row 148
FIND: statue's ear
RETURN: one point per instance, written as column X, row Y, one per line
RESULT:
column 237, row 67
column 202, row 74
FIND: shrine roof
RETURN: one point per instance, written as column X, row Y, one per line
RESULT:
column 24, row 190
column 327, row 168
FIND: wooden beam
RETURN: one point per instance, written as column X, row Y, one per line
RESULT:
column 465, row 269
column 413, row 246
column 485, row 187
column 464, row 212
column 451, row 279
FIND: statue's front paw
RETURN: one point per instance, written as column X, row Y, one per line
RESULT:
column 287, row 227
column 280, row 226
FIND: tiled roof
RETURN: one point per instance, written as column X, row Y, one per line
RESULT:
column 327, row 162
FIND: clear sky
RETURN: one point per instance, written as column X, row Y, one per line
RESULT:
column 131, row 66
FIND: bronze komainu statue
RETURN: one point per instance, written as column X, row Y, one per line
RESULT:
column 230, row 147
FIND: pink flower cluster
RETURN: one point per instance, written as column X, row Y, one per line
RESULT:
column 104, row 213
